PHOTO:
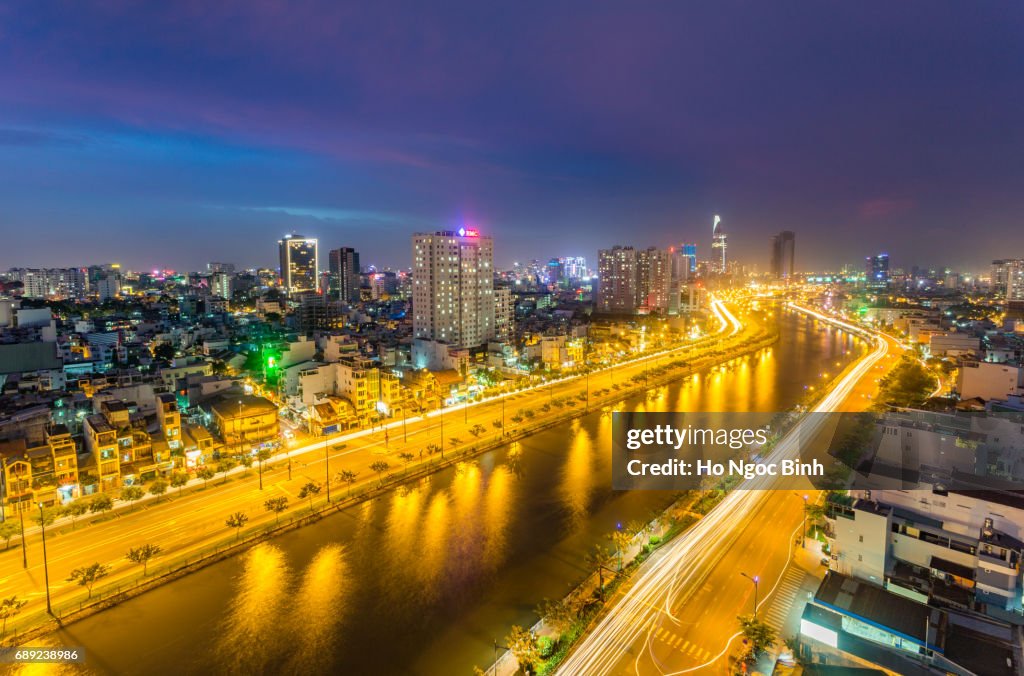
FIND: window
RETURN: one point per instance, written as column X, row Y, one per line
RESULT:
column 861, row 538
column 860, row 558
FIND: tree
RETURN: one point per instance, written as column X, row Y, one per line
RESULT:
column 131, row 493
column 158, row 488
column 164, row 352
column 454, row 441
column 310, row 490
column 142, row 555
column 559, row 615
column 477, row 430
column 87, row 576
column 205, row 473
column 621, row 540
column 10, row 607
column 246, row 460
column 47, row 517
column 237, row 521
column 277, row 506
column 74, row 510
column 380, row 467
column 178, row 480
column 101, row 503
column 601, row 559
column 406, row 458
column 522, row 643
column 225, row 466
column 757, row 634
column 348, row 477
column 496, row 424
column 8, row 529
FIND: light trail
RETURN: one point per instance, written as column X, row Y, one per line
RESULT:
column 689, row 558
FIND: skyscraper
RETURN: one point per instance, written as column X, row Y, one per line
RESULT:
column 617, row 280
column 689, row 253
column 343, row 266
column 876, row 270
column 654, row 273
column 300, row 263
column 719, row 244
column 783, row 249
column 1000, row 274
column 1015, row 284
column 453, row 287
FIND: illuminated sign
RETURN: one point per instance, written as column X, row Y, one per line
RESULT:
column 469, row 232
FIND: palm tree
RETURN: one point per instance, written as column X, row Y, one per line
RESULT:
column 87, row 576
column 237, row 521
column 10, row 607
column 380, row 467
column 310, row 490
column 406, row 458
column 276, row 505
column 348, row 477
column 142, row 555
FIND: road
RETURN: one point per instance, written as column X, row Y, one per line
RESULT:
column 678, row 613
column 184, row 525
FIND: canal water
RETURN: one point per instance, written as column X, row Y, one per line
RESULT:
column 422, row 581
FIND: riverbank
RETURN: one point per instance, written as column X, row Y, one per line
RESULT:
column 169, row 567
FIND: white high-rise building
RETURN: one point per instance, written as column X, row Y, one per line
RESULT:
column 617, row 280
column 453, row 287
column 1015, row 283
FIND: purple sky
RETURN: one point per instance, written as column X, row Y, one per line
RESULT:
column 177, row 133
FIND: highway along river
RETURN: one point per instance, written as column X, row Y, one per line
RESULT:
column 422, row 580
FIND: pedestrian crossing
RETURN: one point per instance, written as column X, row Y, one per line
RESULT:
column 782, row 601
column 676, row 642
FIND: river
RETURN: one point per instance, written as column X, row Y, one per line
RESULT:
column 421, row 581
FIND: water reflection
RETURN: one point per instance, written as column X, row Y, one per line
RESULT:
column 320, row 605
column 251, row 635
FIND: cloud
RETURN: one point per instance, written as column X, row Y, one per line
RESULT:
column 883, row 207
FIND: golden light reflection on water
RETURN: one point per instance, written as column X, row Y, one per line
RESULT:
column 578, row 478
column 251, row 630
column 496, row 514
column 319, row 607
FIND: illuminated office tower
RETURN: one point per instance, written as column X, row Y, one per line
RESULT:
column 300, row 263
column 876, row 270
column 719, row 244
column 688, row 250
column 453, row 287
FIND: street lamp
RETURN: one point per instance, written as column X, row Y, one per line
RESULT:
column 24, row 553
column 803, row 540
column 327, row 470
column 755, row 579
column 46, row 568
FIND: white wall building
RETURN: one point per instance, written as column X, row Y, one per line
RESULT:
column 453, row 287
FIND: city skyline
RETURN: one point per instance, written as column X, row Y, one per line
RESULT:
column 120, row 149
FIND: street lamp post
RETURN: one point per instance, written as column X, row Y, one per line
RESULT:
column 327, row 470
column 24, row 552
column 46, row 568
column 803, row 540
column 755, row 579
column 405, row 434
column 442, row 431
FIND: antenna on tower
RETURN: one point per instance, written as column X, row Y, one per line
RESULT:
column 714, row 228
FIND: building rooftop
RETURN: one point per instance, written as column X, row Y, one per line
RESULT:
column 875, row 605
column 229, row 406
